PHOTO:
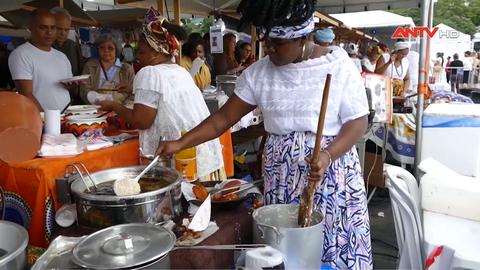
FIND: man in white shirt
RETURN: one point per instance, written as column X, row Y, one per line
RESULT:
column 467, row 67
column 37, row 68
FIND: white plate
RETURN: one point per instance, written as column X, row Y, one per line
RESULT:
column 76, row 78
column 93, row 96
column 82, row 109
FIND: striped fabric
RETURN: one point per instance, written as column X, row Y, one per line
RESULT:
column 340, row 197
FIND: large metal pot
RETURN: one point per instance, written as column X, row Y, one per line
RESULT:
column 99, row 211
column 277, row 225
column 13, row 246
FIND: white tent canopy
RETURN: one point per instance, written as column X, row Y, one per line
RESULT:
column 336, row 6
column 373, row 19
column 449, row 46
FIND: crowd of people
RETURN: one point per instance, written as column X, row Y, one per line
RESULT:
column 113, row 69
column 400, row 63
column 457, row 70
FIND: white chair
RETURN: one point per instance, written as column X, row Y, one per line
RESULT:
column 411, row 250
column 407, row 187
column 405, row 199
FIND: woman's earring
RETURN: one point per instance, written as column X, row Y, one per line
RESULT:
column 303, row 51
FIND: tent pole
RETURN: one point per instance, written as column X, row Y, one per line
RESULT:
column 177, row 11
column 160, row 7
column 427, row 17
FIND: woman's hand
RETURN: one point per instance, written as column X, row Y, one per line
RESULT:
column 106, row 105
column 318, row 168
column 124, row 88
column 168, row 148
column 393, row 57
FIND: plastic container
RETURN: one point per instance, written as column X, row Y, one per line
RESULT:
column 186, row 162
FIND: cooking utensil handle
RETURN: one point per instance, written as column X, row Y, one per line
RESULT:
column 76, row 168
column 306, row 204
column 261, row 228
column 321, row 119
column 87, row 172
column 222, row 247
column 241, row 186
column 245, row 187
column 149, row 166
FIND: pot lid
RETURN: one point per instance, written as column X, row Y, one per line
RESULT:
column 123, row 246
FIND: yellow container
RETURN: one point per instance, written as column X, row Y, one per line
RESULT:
column 186, row 163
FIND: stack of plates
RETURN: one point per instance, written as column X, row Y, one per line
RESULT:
column 82, row 109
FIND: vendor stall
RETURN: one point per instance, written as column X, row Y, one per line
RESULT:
column 30, row 192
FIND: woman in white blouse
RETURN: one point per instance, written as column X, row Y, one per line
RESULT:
column 369, row 62
column 167, row 101
column 287, row 87
column 395, row 66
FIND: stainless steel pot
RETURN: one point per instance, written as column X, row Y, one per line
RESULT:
column 13, row 246
column 277, row 225
column 99, row 211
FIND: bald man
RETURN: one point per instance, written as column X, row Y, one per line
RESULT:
column 37, row 68
column 69, row 47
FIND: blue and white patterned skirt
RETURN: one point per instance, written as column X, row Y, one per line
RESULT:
column 340, row 196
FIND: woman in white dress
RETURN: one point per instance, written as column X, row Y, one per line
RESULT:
column 287, row 87
column 167, row 101
column 395, row 66
column 369, row 62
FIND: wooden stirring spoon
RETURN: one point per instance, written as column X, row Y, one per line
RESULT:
column 305, row 209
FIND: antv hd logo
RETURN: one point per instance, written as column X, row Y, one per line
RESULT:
column 422, row 31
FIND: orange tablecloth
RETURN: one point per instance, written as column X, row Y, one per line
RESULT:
column 30, row 185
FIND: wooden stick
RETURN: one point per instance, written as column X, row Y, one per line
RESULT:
column 306, row 204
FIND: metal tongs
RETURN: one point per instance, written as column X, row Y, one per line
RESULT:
column 99, row 191
column 76, row 168
column 241, row 187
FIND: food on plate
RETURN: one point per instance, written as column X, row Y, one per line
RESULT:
column 186, row 234
column 225, row 197
column 230, row 184
column 200, row 191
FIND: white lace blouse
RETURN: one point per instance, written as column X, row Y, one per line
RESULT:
column 290, row 96
column 170, row 90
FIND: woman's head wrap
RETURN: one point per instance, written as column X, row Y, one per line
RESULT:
column 401, row 45
column 157, row 36
column 291, row 32
column 324, row 35
column 352, row 48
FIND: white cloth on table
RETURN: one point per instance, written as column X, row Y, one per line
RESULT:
column 45, row 70
column 289, row 96
column 367, row 64
column 59, row 145
column 170, row 90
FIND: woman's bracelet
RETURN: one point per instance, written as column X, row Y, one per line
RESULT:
column 329, row 156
